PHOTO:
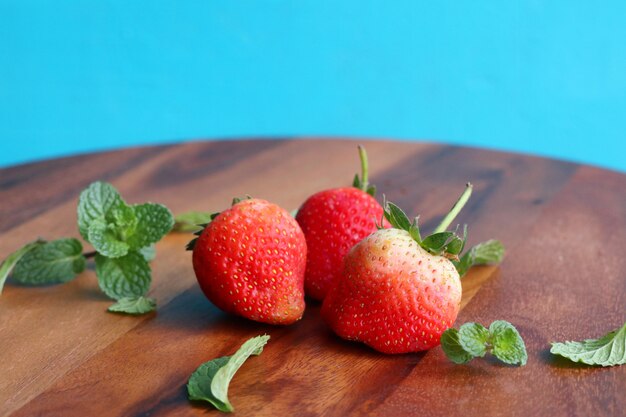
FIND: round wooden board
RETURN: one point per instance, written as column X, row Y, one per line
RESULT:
column 564, row 277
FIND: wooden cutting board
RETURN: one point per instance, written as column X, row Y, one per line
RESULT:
column 564, row 277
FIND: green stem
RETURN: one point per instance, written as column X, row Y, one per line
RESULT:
column 364, row 168
column 456, row 208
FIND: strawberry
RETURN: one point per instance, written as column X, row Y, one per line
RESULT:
column 400, row 292
column 250, row 260
column 333, row 221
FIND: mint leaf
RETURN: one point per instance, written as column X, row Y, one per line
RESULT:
column 609, row 350
column 106, row 221
column 7, row 265
column 96, row 202
column 148, row 252
column 127, row 276
column 211, row 380
column 474, row 338
column 508, row 345
column 452, row 347
column 105, row 240
column 199, row 385
column 113, row 227
column 192, row 221
column 50, row 263
column 489, row 252
column 134, row 305
column 153, row 221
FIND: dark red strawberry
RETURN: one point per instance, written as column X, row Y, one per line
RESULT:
column 250, row 261
column 399, row 292
column 333, row 221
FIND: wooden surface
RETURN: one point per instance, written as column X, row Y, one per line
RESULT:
column 564, row 277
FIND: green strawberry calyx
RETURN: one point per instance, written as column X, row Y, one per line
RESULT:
column 362, row 182
column 212, row 216
column 447, row 243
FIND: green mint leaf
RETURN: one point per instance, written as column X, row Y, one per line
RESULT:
column 105, row 239
column 191, row 221
column 474, row 338
column 199, row 385
column 148, row 252
column 153, row 222
column 507, row 344
column 50, row 263
column 211, row 380
column 397, row 217
column 123, row 219
column 96, row 202
column 7, row 265
column 127, row 276
column 609, row 350
column 489, row 252
column 134, row 305
column 452, row 347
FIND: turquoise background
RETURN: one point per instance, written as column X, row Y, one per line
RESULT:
column 533, row 76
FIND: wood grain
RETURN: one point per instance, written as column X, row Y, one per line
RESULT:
column 563, row 278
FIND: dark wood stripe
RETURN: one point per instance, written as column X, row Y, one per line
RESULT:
column 54, row 182
column 204, row 159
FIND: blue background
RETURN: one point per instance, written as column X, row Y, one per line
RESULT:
column 533, row 76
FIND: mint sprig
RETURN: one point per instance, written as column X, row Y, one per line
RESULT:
column 608, row 350
column 123, row 237
column 50, row 263
column 114, row 227
column 442, row 242
column 211, row 380
column 98, row 201
column 104, row 238
column 9, row 263
column 473, row 340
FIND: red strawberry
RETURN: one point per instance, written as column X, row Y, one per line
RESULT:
column 250, row 261
column 400, row 292
column 333, row 221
